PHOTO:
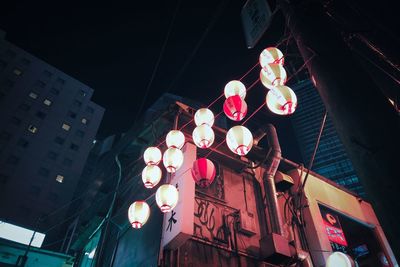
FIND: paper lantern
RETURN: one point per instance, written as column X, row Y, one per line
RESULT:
column 239, row 140
column 203, row 136
column 339, row 259
column 281, row 100
column 152, row 156
column 203, row 172
column 151, row 176
column 235, row 108
column 175, row 138
column 204, row 116
column 273, row 75
column 235, row 88
column 172, row 159
column 167, row 197
column 271, row 55
column 138, row 214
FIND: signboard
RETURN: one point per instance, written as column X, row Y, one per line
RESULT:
column 178, row 224
column 333, row 229
column 256, row 17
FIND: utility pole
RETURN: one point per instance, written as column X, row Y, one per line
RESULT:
column 366, row 122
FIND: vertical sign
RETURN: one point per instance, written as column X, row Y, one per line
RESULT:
column 178, row 224
column 256, row 16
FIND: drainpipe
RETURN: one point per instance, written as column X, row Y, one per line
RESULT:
column 274, row 246
column 272, row 163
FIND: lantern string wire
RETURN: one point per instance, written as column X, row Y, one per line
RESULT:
column 252, row 114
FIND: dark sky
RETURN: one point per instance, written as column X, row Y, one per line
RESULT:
column 114, row 49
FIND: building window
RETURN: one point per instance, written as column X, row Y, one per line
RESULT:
column 72, row 114
column 67, row 162
column 40, row 115
column 22, row 142
column 13, row 160
column 33, row 95
column 15, row 120
column 59, row 140
column 54, row 91
column 77, row 103
column 74, row 147
column 44, row 172
column 60, row 178
column 85, row 121
column 47, row 102
column 17, row 72
column 52, row 155
column 40, row 83
column 24, row 107
column 32, row 129
column 80, row 133
column 66, row 127
column 90, row 110
column 82, row 93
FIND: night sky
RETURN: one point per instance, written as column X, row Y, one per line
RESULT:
column 114, row 50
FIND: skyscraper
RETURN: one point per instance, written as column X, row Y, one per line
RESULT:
column 47, row 127
column 331, row 159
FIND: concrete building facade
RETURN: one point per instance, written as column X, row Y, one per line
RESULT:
column 47, row 127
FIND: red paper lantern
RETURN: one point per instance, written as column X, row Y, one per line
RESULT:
column 271, row 55
column 281, row 100
column 203, row 172
column 235, row 108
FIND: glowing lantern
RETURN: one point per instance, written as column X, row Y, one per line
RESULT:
column 167, row 197
column 203, row 136
column 281, row 100
column 138, row 213
column 235, row 88
column 203, row 172
column 239, row 140
column 204, row 116
column 235, row 108
column 273, row 75
column 152, row 156
column 175, row 138
column 173, row 159
column 339, row 259
column 271, row 55
column 151, row 175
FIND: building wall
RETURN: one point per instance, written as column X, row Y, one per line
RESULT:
column 47, row 127
column 331, row 160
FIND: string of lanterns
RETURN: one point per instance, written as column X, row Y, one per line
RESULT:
column 280, row 100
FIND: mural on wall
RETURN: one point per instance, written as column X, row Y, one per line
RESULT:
column 212, row 221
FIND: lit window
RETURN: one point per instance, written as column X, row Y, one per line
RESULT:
column 85, row 121
column 59, row 178
column 33, row 95
column 32, row 129
column 17, row 72
column 47, row 102
column 66, row 126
